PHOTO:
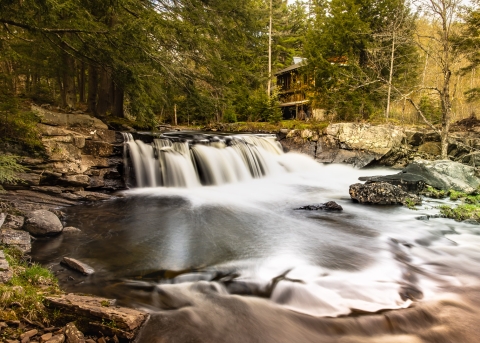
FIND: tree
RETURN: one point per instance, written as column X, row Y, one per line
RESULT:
column 443, row 16
column 356, row 54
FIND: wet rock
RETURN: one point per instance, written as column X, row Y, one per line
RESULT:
column 83, row 268
column 45, row 337
column 71, row 229
column 92, row 196
column 408, row 182
column 91, row 313
column 328, row 206
column 382, row 193
column 57, row 339
column 16, row 238
column 73, row 334
column 43, row 223
column 5, row 273
column 13, row 222
column 25, row 337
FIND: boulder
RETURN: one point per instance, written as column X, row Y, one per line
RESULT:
column 445, row 175
column 81, row 267
column 16, row 238
column 382, row 193
column 43, row 223
column 90, row 312
column 441, row 174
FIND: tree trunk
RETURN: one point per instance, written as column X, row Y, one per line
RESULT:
column 81, row 83
column 92, row 89
column 68, row 81
column 118, row 102
column 105, row 95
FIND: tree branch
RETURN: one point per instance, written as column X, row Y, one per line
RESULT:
column 43, row 29
column 419, row 111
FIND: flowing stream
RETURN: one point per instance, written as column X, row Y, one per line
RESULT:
column 210, row 244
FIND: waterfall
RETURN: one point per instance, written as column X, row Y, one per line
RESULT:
column 192, row 159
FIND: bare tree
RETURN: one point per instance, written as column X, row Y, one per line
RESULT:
column 443, row 16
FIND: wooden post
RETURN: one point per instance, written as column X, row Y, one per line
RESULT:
column 175, row 111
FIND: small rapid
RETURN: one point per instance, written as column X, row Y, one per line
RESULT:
column 190, row 161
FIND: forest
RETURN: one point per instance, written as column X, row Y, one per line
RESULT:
column 203, row 61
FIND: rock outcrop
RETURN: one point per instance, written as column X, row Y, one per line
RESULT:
column 441, row 174
column 92, row 314
column 80, row 152
column 16, row 238
column 43, row 223
column 365, row 144
column 382, row 193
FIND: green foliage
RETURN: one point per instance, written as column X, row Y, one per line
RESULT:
column 22, row 296
column 431, row 108
column 461, row 212
column 410, row 203
column 9, row 168
column 17, row 125
column 431, row 192
column 455, row 195
column 349, row 48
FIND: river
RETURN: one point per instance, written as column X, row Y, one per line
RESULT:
column 234, row 261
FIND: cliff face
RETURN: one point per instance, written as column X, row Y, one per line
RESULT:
column 80, row 152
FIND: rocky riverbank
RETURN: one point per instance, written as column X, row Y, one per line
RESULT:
column 81, row 161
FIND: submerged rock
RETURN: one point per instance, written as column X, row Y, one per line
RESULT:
column 83, row 268
column 382, row 193
column 43, row 223
column 328, row 206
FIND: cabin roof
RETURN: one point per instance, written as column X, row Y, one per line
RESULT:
column 290, row 68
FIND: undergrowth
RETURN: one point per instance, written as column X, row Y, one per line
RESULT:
column 9, row 169
column 22, row 297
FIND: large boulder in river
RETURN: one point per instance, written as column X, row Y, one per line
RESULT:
column 43, row 223
column 440, row 174
column 382, row 193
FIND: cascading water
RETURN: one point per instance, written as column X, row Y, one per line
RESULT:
column 189, row 161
